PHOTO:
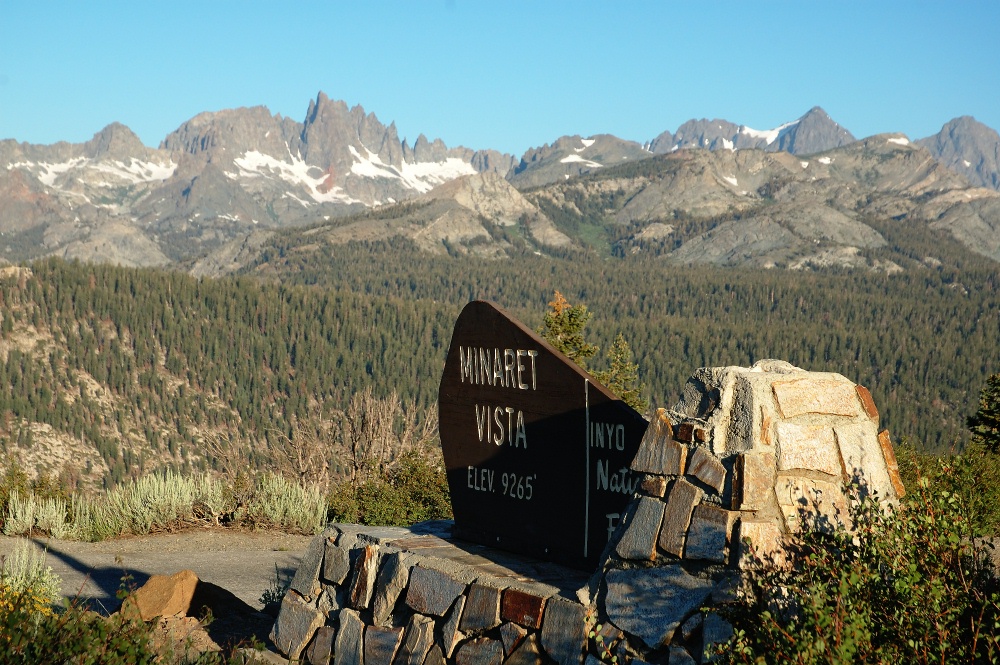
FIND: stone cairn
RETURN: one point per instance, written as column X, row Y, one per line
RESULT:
column 747, row 456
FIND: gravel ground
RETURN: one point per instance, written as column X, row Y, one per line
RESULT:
column 240, row 561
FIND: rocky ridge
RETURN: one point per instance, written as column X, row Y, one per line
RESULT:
column 228, row 176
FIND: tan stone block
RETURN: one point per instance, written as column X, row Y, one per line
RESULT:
column 761, row 539
column 766, row 434
column 681, row 500
column 753, row 480
column 867, row 403
column 816, row 503
column 707, row 468
column 710, row 533
column 892, row 466
column 165, row 595
column 864, row 460
column 658, row 451
column 812, row 395
column 810, row 447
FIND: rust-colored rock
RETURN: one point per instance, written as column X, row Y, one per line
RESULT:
column 892, row 466
column 655, row 486
column 867, row 403
column 524, row 609
column 685, row 432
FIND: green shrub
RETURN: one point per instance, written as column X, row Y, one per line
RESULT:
column 414, row 491
column 974, row 477
column 26, row 582
column 912, row 584
column 161, row 502
column 281, row 504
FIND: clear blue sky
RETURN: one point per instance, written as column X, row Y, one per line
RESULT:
column 508, row 75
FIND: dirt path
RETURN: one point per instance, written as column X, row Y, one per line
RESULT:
column 241, row 562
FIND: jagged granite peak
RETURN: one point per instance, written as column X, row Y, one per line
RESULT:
column 813, row 132
column 226, row 135
column 116, row 141
column 969, row 147
column 570, row 156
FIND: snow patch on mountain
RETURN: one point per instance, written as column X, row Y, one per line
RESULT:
column 571, row 159
column 419, row 176
column 899, row 140
column 254, row 164
column 134, row 171
column 769, row 135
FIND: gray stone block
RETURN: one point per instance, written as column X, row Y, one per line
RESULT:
column 250, row 656
column 715, row 630
column 652, row 603
column 639, row 540
column 710, row 533
column 306, row 580
column 681, row 500
column 392, row 578
column 450, row 633
column 482, row 608
column 680, row 656
column 511, row 635
column 381, row 644
column 321, row 646
column 480, row 651
column 417, row 641
column 529, row 653
column 296, row 624
column 658, row 452
column 336, row 563
column 564, row 631
column 434, row 657
column 431, row 591
column 348, row 646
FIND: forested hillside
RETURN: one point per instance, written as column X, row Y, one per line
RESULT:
column 107, row 372
column 923, row 341
column 122, row 371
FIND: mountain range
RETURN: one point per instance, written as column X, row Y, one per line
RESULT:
column 208, row 198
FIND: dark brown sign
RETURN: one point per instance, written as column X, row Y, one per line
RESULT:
column 537, row 451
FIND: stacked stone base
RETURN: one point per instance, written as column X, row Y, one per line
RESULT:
column 747, row 457
column 387, row 595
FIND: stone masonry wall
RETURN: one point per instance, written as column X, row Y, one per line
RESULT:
column 747, row 456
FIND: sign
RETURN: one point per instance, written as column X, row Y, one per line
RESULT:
column 537, row 451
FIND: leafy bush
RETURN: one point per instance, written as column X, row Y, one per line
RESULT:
column 415, row 490
column 911, row 584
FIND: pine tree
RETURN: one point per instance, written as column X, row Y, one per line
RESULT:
column 985, row 425
column 622, row 377
column 563, row 328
